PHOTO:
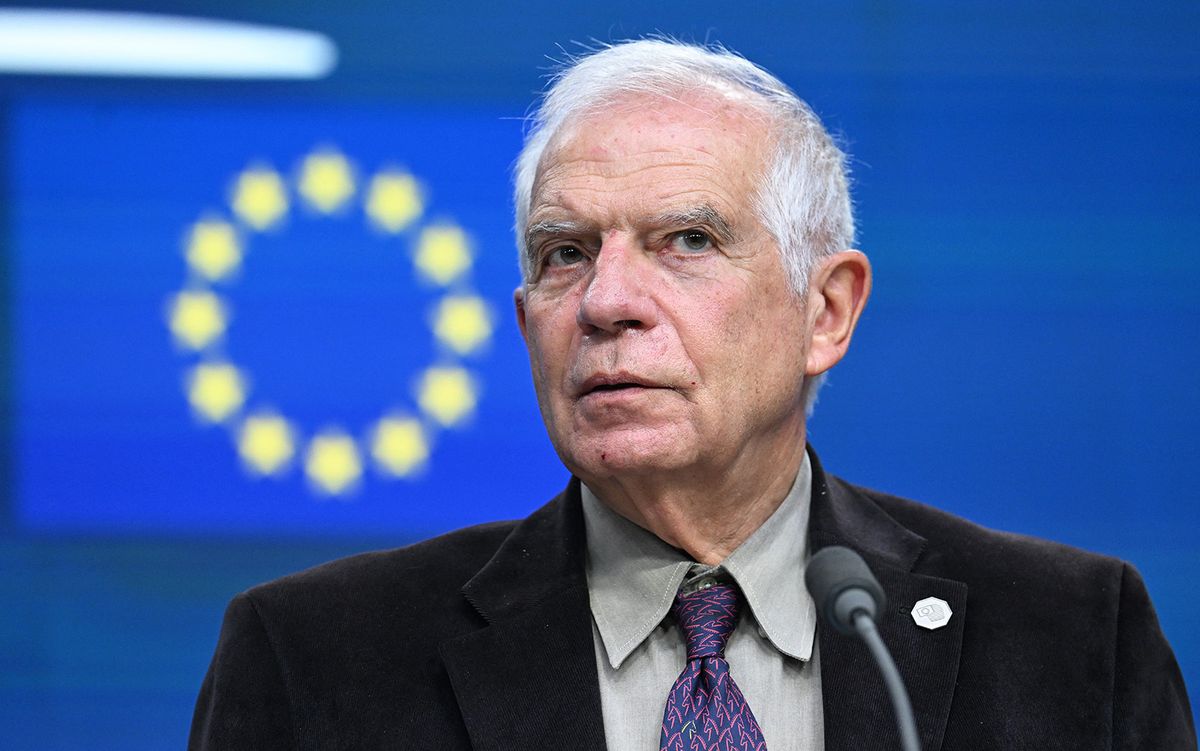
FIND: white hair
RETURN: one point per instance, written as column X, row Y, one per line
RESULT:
column 803, row 199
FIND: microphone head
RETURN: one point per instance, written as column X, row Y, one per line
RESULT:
column 841, row 585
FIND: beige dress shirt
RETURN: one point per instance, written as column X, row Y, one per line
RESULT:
column 633, row 577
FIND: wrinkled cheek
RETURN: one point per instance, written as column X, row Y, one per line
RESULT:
column 541, row 381
column 545, row 382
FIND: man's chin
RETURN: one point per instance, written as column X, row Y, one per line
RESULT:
column 627, row 450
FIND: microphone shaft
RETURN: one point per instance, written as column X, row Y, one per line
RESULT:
column 891, row 678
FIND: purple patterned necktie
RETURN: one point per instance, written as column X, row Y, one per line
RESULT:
column 706, row 710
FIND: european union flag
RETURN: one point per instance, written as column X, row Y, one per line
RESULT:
column 262, row 320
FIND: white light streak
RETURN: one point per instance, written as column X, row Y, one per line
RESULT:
column 99, row 43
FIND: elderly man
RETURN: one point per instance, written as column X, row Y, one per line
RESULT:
column 684, row 224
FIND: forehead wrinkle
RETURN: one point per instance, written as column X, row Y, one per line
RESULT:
column 564, row 152
column 589, row 180
column 576, row 209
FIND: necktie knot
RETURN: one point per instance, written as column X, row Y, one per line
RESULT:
column 707, row 618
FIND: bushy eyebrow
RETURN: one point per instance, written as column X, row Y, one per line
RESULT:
column 540, row 230
column 703, row 215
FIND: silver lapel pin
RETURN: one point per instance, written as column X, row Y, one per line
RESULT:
column 932, row 613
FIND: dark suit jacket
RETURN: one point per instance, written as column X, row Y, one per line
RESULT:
column 482, row 639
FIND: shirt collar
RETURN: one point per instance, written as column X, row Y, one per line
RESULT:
column 633, row 576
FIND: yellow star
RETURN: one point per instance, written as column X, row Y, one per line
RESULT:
column 399, row 445
column 197, row 318
column 259, row 197
column 443, row 253
column 216, row 390
column 266, row 443
column 332, row 463
column 326, row 180
column 463, row 323
column 393, row 200
column 213, row 250
column 447, row 394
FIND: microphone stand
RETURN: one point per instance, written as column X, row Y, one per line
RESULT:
column 848, row 596
column 864, row 626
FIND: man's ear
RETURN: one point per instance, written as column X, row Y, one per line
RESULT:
column 837, row 294
column 519, row 303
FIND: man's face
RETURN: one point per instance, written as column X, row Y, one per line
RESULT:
column 663, row 334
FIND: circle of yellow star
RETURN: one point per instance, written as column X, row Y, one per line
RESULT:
column 332, row 462
column 399, row 446
column 393, row 200
column 197, row 319
column 213, row 250
column 462, row 323
column 216, row 390
column 326, row 180
column 266, row 442
column 443, row 254
column 447, row 394
column 259, row 198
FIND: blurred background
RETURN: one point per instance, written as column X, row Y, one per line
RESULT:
column 256, row 298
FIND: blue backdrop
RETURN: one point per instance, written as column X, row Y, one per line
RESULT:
column 254, row 326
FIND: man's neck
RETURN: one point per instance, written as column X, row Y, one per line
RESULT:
column 706, row 516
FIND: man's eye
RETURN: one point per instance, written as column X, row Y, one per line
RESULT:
column 565, row 255
column 691, row 241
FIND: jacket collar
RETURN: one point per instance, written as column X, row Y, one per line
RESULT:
column 858, row 712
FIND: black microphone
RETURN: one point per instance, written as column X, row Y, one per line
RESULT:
column 848, row 598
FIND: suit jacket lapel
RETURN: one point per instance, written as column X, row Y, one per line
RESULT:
column 528, row 679
column 858, row 712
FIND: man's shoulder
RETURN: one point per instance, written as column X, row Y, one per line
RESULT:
column 957, row 548
column 352, row 640
column 1067, row 637
column 430, row 570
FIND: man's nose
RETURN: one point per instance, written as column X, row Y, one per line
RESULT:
column 618, row 295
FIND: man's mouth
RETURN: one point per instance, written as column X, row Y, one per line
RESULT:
column 613, row 383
